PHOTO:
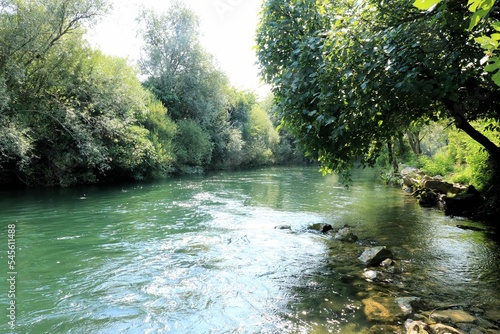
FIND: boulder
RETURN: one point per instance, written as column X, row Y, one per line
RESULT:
column 438, row 186
column 428, row 198
column 464, row 204
column 405, row 303
column 373, row 256
column 387, row 263
column 345, row 234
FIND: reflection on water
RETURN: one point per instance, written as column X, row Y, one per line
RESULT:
column 201, row 255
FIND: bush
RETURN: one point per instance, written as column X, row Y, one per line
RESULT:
column 192, row 146
column 441, row 163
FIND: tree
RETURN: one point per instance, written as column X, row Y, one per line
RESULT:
column 183, row 76
column 350, row 76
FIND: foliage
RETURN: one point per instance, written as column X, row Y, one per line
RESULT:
column 351, row 77
column 481, row 10
column 71, row 114
column 192, row 146
column 441, row 163
column 472, row 160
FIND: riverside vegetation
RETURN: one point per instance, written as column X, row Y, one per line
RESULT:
column 71, row 115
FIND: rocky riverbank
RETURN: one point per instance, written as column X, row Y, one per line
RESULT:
column 387, row 292
column 455, row 199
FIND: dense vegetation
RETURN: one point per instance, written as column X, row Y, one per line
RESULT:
column 70, row 114
column 357, row 81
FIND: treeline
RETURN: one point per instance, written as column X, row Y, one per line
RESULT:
column 70, row 114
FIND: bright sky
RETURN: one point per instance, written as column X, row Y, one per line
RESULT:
column 227, row 28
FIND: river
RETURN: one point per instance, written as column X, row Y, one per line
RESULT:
column 201, row 254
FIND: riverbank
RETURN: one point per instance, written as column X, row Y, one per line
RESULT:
column 454, row 199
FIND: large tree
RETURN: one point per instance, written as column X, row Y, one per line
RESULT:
column 348, row 76
column 184, row 76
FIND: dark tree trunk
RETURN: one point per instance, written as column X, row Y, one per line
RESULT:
column 392, row 158
column 462, row 124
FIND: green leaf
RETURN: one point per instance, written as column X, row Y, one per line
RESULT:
column 425, row 4
column 493, row 65
column 475, row 19
column 496, row 78
column 496, row 25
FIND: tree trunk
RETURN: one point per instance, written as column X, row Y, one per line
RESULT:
column 414, row 140
column 462, row 124
column 392, row 159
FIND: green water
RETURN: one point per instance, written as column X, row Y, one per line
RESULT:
column 201, row 255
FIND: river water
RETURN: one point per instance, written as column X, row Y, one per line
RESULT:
column 202, row 255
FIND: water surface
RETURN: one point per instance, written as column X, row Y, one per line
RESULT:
column 201, row 255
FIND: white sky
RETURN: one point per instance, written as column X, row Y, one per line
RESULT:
column 227, row 28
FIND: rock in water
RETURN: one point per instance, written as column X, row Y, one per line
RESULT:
column 416, row 327
column 455, row 316
column 375, row 255
column 283, row 227
column 345, row 234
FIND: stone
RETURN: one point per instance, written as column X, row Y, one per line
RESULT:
column 386, row 263
column 427, row 198
column 454, row 316
column 416, row 327
column 464, row 204
column 438, row 186
column 375, row 255
column 321, row 227
column 493, row 314
column 405, row 303
column 382, row 309
column 443, row 329
column 283, row 227
column 371, row 275
column 345, row 234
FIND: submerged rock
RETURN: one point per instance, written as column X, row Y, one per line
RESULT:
column 444, row 329
column 454, row 316
column 383, row 309
column 345, row 234
column 416, row 327
column 375, row 255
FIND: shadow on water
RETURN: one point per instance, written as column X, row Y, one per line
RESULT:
column 201, row 255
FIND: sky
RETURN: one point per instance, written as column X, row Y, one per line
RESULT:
column 227, row 31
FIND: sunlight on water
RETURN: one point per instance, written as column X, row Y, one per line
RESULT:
column 202, row 255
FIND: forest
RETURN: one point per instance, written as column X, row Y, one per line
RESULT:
column 354, row 83
column 70, row 114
